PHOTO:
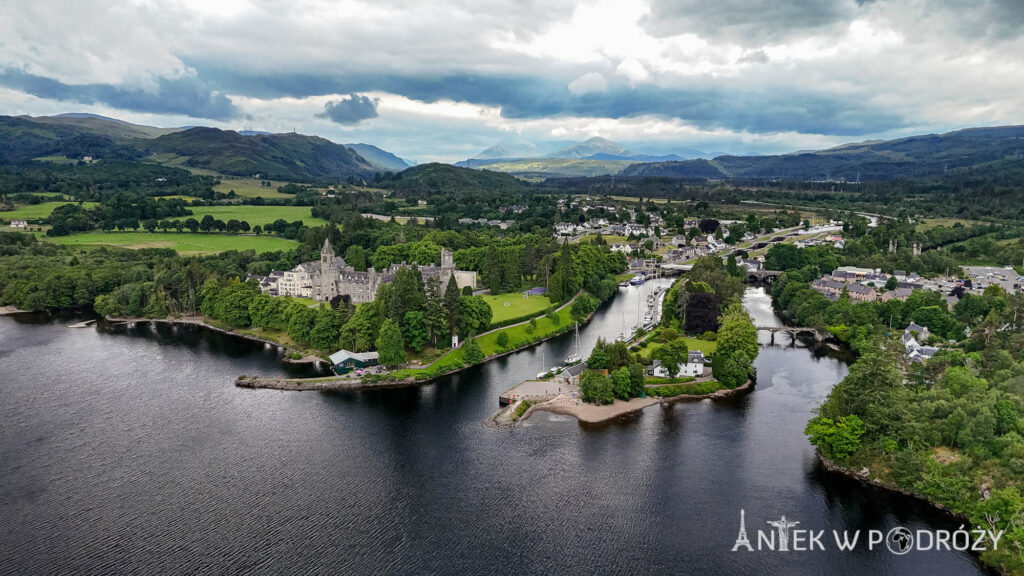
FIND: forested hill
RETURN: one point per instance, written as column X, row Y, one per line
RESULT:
column 22, row 139
column 294, row 157
column 679, row 169
column 438, row 179
column 913, row 157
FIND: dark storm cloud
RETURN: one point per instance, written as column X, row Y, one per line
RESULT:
column 991, row 19
column 746, row 22
column 799, row 109
column 186, row 96
column 350, row 110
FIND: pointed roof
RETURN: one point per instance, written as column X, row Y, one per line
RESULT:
column 327, row 248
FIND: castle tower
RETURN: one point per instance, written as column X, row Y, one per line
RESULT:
column 326, row 255
column 326, row 278
column 447, row 260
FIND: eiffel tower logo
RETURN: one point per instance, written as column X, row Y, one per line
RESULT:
column 742, row 540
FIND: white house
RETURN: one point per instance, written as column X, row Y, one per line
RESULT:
column 19, row 224
column 634, row 230
column 695, row 363
column 693, row 367
column 917, row 352
column 624, row 248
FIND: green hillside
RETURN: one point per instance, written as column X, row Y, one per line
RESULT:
column 292, row 157
column 683, row 169
column 438, row 179
column 22, row 139
column 912, row 157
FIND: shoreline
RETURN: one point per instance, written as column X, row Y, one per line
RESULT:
column 594, row 414
column 336, row 383
column 200, row 321
column 833, row 467
column 9, row 310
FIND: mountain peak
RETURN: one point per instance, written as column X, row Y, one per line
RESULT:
column 590, row 147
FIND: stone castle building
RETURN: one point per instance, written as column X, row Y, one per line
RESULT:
column 331, row 276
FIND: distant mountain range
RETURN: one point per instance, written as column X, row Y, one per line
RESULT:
column 593, row 157
column 288, row 156
column 912, row 157
column 301, row 158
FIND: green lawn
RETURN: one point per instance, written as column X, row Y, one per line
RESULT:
column 34, row 211
column 705, row 346
column 183, row 243
column 518, row 306
column 517, row 337
column 254, row 215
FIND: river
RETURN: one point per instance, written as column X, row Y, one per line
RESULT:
column 129, row 451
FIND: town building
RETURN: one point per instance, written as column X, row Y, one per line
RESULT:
column 693, row 367
column 912, row 337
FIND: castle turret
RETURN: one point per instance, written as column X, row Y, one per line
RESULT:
column 447, row 260
column 326, row 278
column 326, row 255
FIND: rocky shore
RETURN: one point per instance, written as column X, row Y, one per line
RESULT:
column 864, row 477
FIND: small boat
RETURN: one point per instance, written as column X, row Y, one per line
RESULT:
column 638, row 280
column 624, row 284
column 576, row 355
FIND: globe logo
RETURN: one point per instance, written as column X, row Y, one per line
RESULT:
column 899, row 540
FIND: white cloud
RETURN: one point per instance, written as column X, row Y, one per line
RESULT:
column 588, row 83
column 930, row 65
column 634, row 70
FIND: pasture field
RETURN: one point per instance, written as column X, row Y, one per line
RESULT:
column 35, row 211
column 518, row 306
column 184, row 243
column 250, row 188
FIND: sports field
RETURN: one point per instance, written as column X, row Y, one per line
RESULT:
column 517, row 305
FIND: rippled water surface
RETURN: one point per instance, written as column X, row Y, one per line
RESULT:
column 129, row 451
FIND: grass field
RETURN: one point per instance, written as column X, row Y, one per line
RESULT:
column 518, row 306
column 184, row 243
column 705, row 346
column 255, row 214
column 250, row 188
column 33, row 211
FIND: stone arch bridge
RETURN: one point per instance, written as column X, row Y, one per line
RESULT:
column 793, row 332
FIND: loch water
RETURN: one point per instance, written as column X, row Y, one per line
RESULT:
column 128, row 450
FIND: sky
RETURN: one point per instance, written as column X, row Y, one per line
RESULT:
column 441, row 81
